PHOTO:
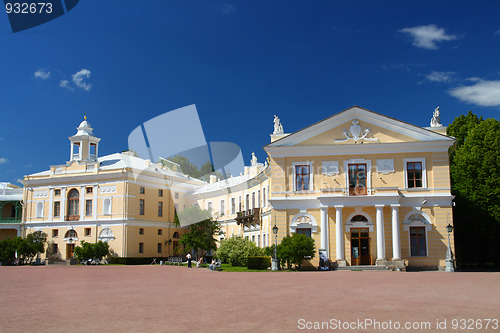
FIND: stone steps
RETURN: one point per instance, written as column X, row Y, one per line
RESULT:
column 362, row 268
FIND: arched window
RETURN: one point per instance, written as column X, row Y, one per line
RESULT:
column 73, row 205
column 359, row 218
column 106, row 210
column 71, row 234
column 176, row 234
column 39, row 209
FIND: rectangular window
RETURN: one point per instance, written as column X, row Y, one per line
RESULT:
column 302, row 175
column 357, row 179
column 417, row 242
column 222, row 207
column 264, row 203
column 141, row 231
column 177, row 195
column 55, row 233
column 87, row 231
column 258, row 199
column 258, row 240
column 57, row 192
column 160, row 232
column 253, row 200
column 414, row 174
column 239, row 209
column 55, row 249
column 88, row 207
column 253, row 238
column 209, row 206
column 141, row 247
column 233, row 205
column 57, row 209
column 160, row 209
column 142, row 190
column 160, row 193
column 303, row 231
column 247, row 202
column 159, row 247
column 141, row 206
column 89, row 190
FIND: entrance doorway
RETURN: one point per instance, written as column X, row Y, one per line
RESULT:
column 70, row 251
column 360, row 247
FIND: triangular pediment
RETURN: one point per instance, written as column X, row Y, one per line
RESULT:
column 357, row 125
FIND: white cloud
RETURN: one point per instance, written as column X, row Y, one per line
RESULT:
column 79, row 79
column 426, row 36
column 440, row 76
column 3, row 160
column 482, row 93
column 42, row 74
column 65, row 84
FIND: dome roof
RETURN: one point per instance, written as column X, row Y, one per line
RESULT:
column 84, row 128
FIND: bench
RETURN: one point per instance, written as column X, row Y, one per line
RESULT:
column 217, row 266
column 174, row 260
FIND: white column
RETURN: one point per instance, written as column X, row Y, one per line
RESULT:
column 380, row 233
column 396, row 239
column 51, row 204
column 82, row 202
column 324, row 229
column 94, row 203
column 63, row 203
column 339, row 233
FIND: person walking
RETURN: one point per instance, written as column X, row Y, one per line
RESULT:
column 189, row 259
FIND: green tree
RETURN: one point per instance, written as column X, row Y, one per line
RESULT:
column 236, row 250
column 8, row 248
column 187, row 167
column 88, row 251
column 293, row 249
column 201, row 229
column 475, row 182
column 33, row 245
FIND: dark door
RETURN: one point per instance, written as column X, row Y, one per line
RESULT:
column 360, row 247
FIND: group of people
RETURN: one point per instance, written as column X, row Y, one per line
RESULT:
column 200, row 262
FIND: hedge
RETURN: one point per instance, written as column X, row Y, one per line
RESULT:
column 258, row 262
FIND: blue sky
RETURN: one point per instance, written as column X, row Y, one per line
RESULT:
column 124, row 62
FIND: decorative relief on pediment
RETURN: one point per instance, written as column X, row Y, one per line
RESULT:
column 107, row 189
column 303, row 219
column 356, row 133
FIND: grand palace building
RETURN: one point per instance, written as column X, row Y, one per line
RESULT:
column 369, row 189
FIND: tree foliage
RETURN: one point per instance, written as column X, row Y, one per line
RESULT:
column 88, row 251
column 201, row 230
column 475, row 181
column 293, row 249
column 8, row 248
column 236, row 250
column 32, row 245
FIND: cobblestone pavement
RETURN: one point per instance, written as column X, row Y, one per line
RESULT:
column 178, row 299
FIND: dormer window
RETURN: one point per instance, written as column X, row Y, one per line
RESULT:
column 76, row 150
column 93, row 151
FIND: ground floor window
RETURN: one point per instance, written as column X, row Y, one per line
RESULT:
column 418, row 242
column 141, row 247
column 159, row 247
column 303, row 231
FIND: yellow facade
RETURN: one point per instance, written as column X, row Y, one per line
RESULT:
column 369, row 189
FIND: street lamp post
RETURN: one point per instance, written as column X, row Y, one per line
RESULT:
column 450, row 262
column 274, row 266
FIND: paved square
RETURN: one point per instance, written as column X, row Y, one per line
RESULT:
column 178, row 299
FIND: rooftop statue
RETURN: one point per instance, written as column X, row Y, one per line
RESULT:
column 436, row 119
column 278, row 128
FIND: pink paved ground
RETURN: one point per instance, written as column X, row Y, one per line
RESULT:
column 178, row 299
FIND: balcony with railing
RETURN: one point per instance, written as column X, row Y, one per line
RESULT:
column 248, row 216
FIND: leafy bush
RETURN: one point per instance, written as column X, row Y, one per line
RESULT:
column 8, row 249
column 92, row 250
column 258, row 262
column 294, row 248
column 235, row 251
column 32, row 245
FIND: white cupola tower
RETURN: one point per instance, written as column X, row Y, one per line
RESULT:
column 84, row 145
